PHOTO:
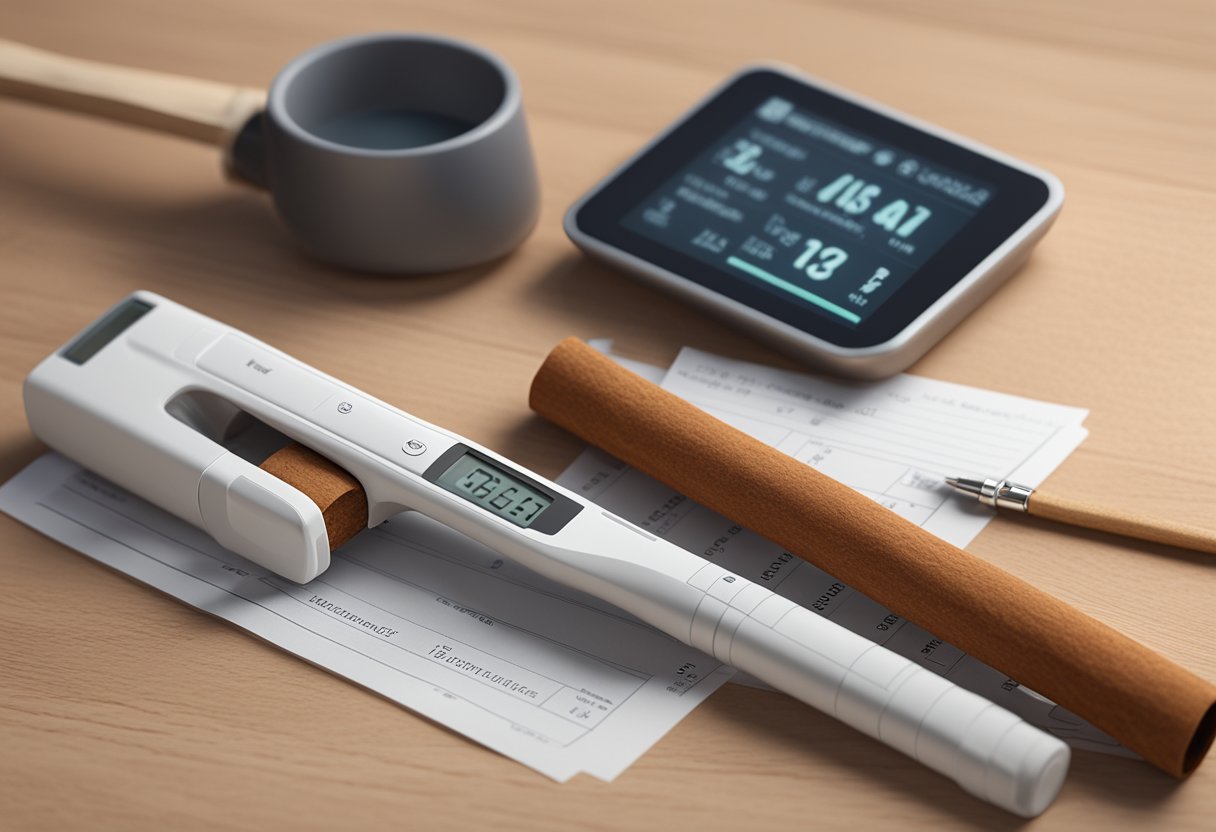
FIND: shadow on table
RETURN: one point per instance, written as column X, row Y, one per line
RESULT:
column 224, row 235
column 1146, row 548
column 15, row 454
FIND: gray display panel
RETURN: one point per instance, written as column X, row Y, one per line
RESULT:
column 494, row 490
column 105, row 330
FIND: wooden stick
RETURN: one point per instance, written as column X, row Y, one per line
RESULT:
column 340, row 496
column 1090, row 516
column 206, row 111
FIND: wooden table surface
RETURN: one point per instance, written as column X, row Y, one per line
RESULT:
column 120, row 708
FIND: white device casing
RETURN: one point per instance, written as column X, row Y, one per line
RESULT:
column 113, row 419
column 872, row 362
column 110, row 414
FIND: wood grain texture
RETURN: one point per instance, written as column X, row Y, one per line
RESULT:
column 120, row 708
column 192, row 108
column 1091, row 515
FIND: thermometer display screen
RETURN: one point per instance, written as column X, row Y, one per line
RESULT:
column 823, row 215
column 494, row 489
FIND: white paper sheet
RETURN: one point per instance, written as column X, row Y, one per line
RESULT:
column 894, row 441
column 558, row 680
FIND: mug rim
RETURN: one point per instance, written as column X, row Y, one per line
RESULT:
column 276, row 104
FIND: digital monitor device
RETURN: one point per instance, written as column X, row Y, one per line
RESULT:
column 846, row 233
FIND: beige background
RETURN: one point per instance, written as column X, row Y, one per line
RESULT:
column 120, row 708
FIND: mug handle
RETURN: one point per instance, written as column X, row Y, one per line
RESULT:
column 206, row 111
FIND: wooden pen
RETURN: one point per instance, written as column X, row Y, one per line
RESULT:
column 1003, row 494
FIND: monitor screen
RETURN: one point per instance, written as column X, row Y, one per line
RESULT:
column 820, row 214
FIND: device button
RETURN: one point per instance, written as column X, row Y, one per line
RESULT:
column 727, row 587
column 370, row 425
column 749, row 597
column 706, row 576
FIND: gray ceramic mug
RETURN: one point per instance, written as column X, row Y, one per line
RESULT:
column 400, row 153
column 385, row 152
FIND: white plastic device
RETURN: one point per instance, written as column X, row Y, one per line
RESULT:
column 146, row 394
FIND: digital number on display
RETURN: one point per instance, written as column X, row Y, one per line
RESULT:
column 808, row 208
column 493, row 489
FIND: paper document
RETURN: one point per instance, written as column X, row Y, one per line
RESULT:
column 893, row 440
column 553, row 678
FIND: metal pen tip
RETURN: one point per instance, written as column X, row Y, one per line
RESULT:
column 969, row 486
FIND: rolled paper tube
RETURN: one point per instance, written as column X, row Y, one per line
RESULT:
column 1149, row 704
column 340, row 496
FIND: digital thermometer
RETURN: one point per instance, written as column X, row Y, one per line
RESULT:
column 849, row 234
column 148, row 393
